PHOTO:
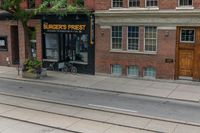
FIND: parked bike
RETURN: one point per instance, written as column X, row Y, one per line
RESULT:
column 69, row 67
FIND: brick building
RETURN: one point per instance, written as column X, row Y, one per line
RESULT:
column 54, row 39
column 148, row 38
column 133, row 38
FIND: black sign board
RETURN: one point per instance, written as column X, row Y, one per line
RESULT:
column 168, row 60
column 62, row 27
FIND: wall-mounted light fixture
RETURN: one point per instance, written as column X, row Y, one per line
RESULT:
column 166, row 33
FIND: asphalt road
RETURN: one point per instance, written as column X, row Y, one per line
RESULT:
column 156, row 107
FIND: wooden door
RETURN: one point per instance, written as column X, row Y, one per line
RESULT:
column 186, row 63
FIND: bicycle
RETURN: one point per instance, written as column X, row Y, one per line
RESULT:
column 69, row 67
column 51, row 67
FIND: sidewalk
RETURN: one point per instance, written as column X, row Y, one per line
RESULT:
column 181, row 90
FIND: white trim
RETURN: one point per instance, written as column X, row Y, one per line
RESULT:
column 105, row 27
column 133, row 52
column 181, row 35
column 185, row 8
column 156, row 41
column 152, row 8
column 134, row 9
column 166, row 28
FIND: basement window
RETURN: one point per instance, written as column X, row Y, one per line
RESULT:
column 133, row 71
column 116, row 70
column 149, row 72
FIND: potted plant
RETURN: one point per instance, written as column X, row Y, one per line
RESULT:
column 31, row 69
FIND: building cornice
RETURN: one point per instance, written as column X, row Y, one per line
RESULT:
column 146, row 12
column 148, row 17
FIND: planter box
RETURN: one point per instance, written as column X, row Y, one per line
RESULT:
column 30, row 75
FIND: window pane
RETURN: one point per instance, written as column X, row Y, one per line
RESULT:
column 116, row 70
column 133, row 37
column 116, row 37
column 150, row 38
column 51, row 43
column 149, row 72
column 134, row 3
column 117, row 3
column 187, row 35
column 151, row 2
column 133, row 71
column 185, row 3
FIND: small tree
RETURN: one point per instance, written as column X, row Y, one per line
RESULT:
column 61, row 7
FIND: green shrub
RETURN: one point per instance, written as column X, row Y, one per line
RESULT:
column 32, row 66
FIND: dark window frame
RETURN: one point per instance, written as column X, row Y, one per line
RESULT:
column 134, row 3
column 185, row 2
column 133, row 38
column 116, row 37
column 151, row 3
column 117, row 3
column 31, row 4
column 186, row 36
column 5, row 47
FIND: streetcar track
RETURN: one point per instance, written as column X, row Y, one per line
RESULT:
column 82, row 118
column 93, row 108
column 72, row 116
column 29, row 122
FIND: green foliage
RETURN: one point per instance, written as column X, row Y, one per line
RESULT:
column 32, row 66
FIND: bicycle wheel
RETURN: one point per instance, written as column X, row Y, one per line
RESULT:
column 65, row 69
column 73, row 70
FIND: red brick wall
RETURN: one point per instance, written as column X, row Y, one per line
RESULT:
column 196, row 4
column 23, row 49
column 166, row 49
column 168, row 4
column 89, row 4
column 37, row 25
column 102, row 4
column 163, row 4
column 5, row 27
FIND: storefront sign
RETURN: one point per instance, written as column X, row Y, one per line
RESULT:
column 64, row 27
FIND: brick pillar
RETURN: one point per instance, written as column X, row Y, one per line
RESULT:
column 141, row 40
column 142, row 3
column 125, row 3
column 39, row 41
column 124, row 38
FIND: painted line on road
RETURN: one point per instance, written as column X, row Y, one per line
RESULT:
column 113, row 108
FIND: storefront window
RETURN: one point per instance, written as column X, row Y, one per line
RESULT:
column 51, row 43
column 76, row 48
column 83, row 48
